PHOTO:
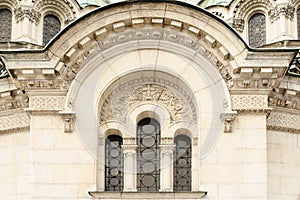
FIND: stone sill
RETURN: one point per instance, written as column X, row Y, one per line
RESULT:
column 148, row 195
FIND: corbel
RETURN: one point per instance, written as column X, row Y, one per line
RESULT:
column 68, row 117
column 228, row 119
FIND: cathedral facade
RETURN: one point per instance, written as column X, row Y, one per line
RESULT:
column 150, row 99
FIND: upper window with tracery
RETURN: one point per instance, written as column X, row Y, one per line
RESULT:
column 257, row 30
column 182, row 163
column 51, row 28
column 6, row 23
column 298, row 23
column 148, row 155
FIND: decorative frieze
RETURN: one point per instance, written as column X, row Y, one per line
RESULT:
column 14, row 122
column 249, row 102
column 283, row 121
column 207, row 45
column 46, row 103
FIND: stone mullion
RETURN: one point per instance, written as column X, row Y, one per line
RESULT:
column 166, row 171
column 130, row 156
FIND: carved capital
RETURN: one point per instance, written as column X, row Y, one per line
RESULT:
column 31, row 14
column 68, row 118
column 238, row 24
column 167, row 148
column 129, row 141
column 228, row 119
column 129, row 148
column 167, row 140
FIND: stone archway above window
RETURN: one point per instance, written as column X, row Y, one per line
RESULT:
column 122, row 98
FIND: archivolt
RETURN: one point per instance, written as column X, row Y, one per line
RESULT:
column 104, row 38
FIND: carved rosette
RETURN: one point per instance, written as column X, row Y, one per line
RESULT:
column 146, row 90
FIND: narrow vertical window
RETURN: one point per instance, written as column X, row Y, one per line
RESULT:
column 182, row 163
column 298, row 23
column 51, row 28
column 257, row 30
column 148, row 155
column 113, row 163
column 5, row 24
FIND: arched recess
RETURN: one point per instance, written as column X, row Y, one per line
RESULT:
column 167, row 49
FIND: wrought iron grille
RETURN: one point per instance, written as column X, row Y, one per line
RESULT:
column 182, row 163
column 5, row 23
column 257, row 30
column 113, row 163
column 148, row 155
column 51, row 28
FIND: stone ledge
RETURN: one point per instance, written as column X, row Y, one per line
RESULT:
column 148, row 195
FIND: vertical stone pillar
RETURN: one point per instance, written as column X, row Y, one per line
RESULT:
column 129, row 150
column 101, row 164
column 166, row 164
column 195, row 165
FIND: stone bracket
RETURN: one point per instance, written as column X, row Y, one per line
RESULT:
column 68, row 118
column 227, row 119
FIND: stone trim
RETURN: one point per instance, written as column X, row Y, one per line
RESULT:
column 286, row 122
column 249, row 102
column 46, row 103
column 15, row 122
column 142, row 195
column 187, row 35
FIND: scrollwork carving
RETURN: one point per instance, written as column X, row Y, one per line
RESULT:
column 117, row 103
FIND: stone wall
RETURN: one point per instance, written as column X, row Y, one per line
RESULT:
column 283, row 165
column 14, row 165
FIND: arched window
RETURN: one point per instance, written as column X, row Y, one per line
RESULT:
column 51, row 28
column 148, row 155
column 298, row 23
column 5, row 25
column 113, row 163
column 257, row 30
column 182, row 163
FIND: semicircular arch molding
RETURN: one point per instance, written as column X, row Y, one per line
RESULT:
column 67, row 10
column 105, row 28
column 245, row 9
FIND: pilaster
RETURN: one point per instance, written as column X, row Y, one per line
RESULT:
column 166, row 163
column 129, row 150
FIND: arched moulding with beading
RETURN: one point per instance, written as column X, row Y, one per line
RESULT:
column 98, row 31
column 66, row 10
column 245, row 9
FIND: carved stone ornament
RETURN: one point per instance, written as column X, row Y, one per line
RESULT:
column 31, row 14
column 228, row 119
column 294, row 69
column 3, row 70
column 281, row 121
column 148, row 90
column 68, row 118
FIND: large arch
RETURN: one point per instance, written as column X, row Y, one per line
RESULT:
column 171, row 46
